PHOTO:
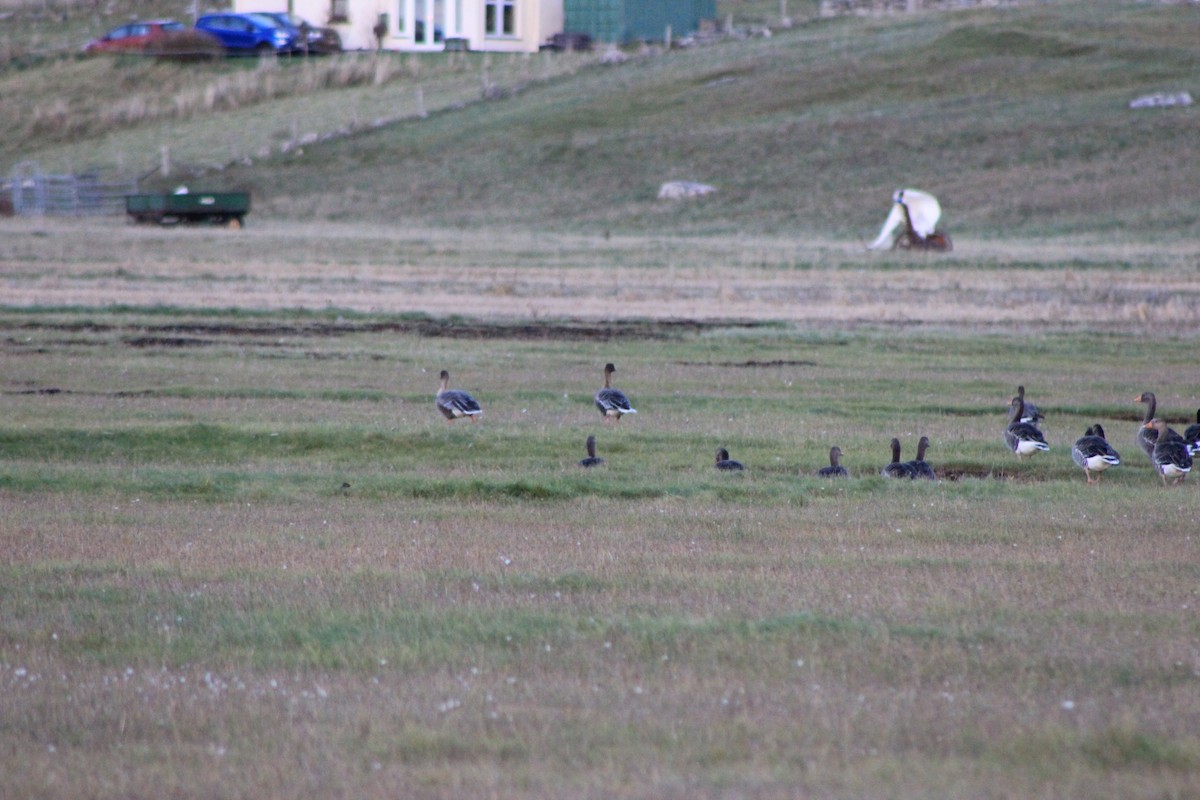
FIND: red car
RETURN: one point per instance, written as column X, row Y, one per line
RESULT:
column 135, row 37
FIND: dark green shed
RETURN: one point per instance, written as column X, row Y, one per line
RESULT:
column 624, row 21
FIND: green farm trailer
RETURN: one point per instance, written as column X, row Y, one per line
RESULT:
column 214, row 208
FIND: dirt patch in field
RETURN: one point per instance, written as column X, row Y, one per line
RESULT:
column 523, row 287
column 967, row 473
column 749, row 364
column 171, row 335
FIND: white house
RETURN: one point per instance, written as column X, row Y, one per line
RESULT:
column 506, row 26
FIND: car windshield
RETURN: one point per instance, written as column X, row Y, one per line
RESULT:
column 267, row 19
column 174, row 26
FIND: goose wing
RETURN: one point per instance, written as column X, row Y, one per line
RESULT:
column 457, row 403
column 1090, row 451
column 610, row 400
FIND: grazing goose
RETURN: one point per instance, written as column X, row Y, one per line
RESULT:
column 454, row 403
column 1171, row 456
column 725, row 462
column 1031, row 413
column 1191, row 436
column 1023, row 438
column 1093, row 453
column 919, row 466
column 835, row 469
column 1147, row 435
column 897, row 469
column 612, row 402
column 592, row 459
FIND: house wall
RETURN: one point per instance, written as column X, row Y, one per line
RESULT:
column 536, row 22
column 623, row 21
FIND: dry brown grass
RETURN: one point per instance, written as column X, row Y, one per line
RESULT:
column 1068, row 284
column 889, row 653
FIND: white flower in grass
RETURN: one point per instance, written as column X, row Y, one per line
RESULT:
column 449, row 705
column 1068, row 705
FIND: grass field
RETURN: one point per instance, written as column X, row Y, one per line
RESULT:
column 242, row 555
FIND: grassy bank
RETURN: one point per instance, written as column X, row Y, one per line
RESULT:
column 1017, row 118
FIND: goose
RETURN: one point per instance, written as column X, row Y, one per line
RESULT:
column 1191, row 436
column 919, row 466
column 612, row 402
column 1171, row 456
column 1147, row 435
column 454, row 403
column 835, row 469
column 592, row 459
column 1094, row 454
column 724, row 462
column 897, row 469
column 1031, row 413
column 1023, row 438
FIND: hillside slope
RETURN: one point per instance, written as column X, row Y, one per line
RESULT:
column 1017, row 118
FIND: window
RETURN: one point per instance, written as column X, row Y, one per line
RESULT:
column 500, row 17
column 339, row 10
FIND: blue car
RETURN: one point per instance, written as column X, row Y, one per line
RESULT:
column 249, row 34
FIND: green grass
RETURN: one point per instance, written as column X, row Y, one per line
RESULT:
column 188, row 579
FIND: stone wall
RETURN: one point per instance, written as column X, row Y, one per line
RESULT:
column 831, row 8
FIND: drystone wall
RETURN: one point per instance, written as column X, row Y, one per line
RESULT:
column 831, row 8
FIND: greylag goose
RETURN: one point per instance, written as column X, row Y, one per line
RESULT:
column 724, row 462
column 1031, row 413
column 896, row 469
column 592, row 459
column 919, row 466
column 612, row 402
column 454, row 403
column 1094, row 454
column 1171, row 456
column 1023, row 438
column 1191, row 436
column 1147, row 435
column 835, row 469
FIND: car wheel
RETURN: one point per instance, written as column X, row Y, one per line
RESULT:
column 263, row 50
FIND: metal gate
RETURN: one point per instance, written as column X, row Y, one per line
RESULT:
column 35, row 193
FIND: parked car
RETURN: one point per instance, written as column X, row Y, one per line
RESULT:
column 569, row 42
column 249, row 34
column 314, row 40
column 134, row 37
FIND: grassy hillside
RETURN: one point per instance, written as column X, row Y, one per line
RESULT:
column 1017, row 118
